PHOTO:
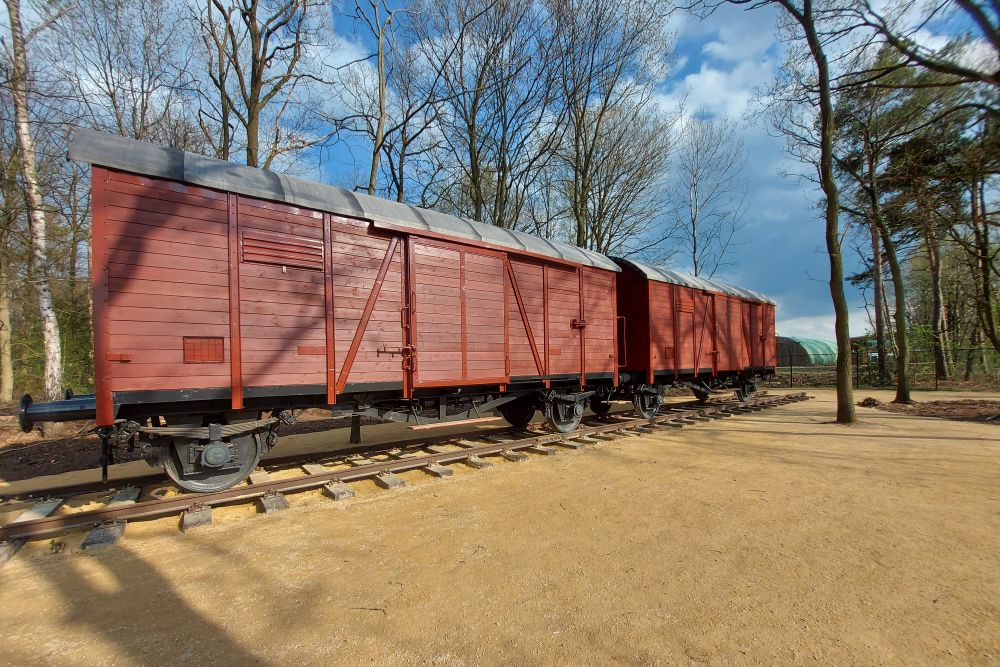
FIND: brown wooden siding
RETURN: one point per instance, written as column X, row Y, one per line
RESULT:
column 563, row 307
column 458, row 315
column 528, row 279
column 282, row 300
column 358, row 254
column 599, row 314
column 166, row 277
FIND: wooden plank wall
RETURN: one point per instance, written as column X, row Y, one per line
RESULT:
column 357, row 256
column 563, row 292
column 528, row 276
column 167, row 258
column 599, row 312
column 282, row 306
column 663, row 349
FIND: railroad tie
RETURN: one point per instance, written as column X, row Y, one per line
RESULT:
column 514, row 456
column 438, row 470
column 387, row 480
column 108, row 533
column 40, row 510
column 478, row 463
column 259, row 477
column 271, row 502
column 357, row 462
column 195, row 516
column 337, row 491
column 544, row 450
column 314, row 468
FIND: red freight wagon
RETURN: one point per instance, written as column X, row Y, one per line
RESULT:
column 685, row 330
column 225, row 296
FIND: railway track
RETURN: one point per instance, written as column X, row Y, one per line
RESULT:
column 41, row 515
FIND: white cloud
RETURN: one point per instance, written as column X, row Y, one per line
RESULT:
column 720, row 92
column 818, row 326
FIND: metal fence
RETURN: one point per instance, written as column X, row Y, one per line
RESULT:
column 969, row 368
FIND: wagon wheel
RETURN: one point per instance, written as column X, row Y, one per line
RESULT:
column 701, row 396
column 747, row 390
column 518, row 413
column 565, row 416
column 646, row 404
column 599, row 406
column 205, row 479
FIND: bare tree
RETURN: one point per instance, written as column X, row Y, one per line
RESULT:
column 19, row 91
column 627, row 184
column 497, row 115
column 378, row 18
column 708, row 190
column 259, row 63
column 608, row 54
column 127, row 68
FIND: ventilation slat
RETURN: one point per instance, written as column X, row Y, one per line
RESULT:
column 282, row 250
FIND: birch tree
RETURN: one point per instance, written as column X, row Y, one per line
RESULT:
column 19, row 90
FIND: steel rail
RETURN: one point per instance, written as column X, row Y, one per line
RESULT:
column 57, row 523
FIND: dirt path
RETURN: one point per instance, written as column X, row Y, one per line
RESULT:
column 774, row 538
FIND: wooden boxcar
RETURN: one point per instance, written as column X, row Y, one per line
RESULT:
column 686, row 330
column 225, row 294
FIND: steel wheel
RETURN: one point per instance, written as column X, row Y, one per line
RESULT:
column 518, row 413
column 747, row 390
column 646, row 404
column 701, row 396
column 565, row 416
column 204, row 479
column 599, row 406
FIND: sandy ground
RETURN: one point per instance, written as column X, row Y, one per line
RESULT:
column 774, row 538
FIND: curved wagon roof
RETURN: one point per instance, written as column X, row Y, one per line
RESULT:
column 116, row 152
column 676, row 278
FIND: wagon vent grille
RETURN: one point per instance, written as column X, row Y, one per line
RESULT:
column 204, row 350
column 282, row 250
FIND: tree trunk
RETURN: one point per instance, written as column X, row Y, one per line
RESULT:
column 845, row 391
column 899, row 296
column 970, row 359
column 6, row 360
column 380, row 124
column 938, row 324
column 878, row 281
column 33, row 198
column 898, row 288
column 984, row 279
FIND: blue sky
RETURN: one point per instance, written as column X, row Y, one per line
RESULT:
column 780, row 250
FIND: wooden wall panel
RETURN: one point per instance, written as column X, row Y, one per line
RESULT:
column 358, row 255
column 770, row 340
column 528, row 277
column 684, row 311
column 599, row 313
column 563, row 290
column 282, row 304
column 166, row 256
column 458, row 315
column 662, row 347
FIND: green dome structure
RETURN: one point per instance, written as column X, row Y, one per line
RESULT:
column 806, row 351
